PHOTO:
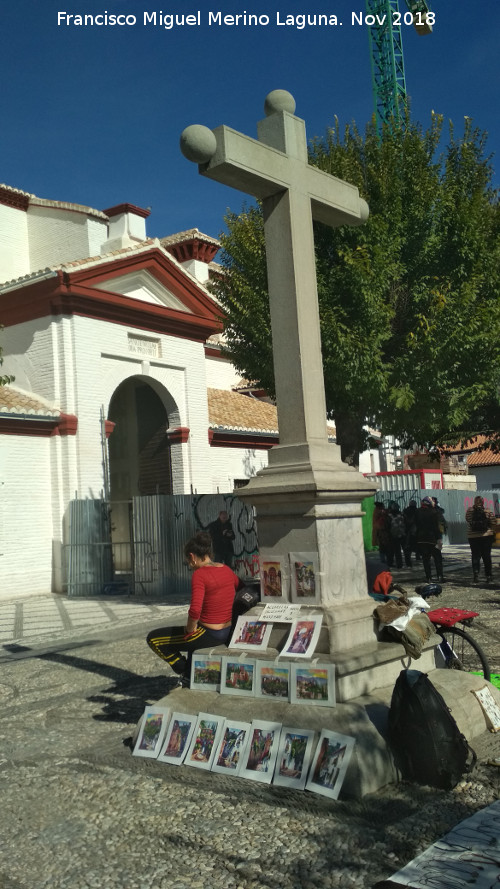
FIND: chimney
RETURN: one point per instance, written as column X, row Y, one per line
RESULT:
column 126, row 227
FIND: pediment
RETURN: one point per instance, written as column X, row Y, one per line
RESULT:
column 148, row 276
column 144, row 288
column 141, row 284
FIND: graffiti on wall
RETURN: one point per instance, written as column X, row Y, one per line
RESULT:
column 206, row 508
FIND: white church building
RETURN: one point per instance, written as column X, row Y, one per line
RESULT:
column 120, row 387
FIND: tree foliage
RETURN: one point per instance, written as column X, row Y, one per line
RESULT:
column 409, row 302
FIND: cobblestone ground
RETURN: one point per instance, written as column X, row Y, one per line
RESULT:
column 79, row 811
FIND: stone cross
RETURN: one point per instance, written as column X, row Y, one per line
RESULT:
column 275, row 169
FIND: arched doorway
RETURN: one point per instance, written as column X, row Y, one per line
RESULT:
column 139, row 456
column 139, row 450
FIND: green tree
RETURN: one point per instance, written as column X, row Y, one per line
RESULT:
column 409, row 302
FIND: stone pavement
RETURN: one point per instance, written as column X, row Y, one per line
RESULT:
column 53, row 619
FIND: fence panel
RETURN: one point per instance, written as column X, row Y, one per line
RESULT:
column 89, row 553
column 154, row 559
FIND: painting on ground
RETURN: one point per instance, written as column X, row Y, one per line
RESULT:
column 231, row 748
column 152, row 730
column 262, row 750
column 177, row 738
column 330, row 763
column 294, row 756
column 204, row 742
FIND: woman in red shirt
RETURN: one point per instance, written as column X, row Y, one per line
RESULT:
column 213, row 586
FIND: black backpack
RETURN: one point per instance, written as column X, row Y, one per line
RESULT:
column 427, row 744
column 479, row 521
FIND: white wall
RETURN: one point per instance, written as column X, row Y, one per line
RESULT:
column 14, row 254
column 221, row 373
column 228, row 464
column 57, row 235
column 25, row 516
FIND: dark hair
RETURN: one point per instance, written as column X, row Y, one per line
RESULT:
column 200, row 545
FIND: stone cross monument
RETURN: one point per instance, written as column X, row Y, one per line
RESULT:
column 307, row 500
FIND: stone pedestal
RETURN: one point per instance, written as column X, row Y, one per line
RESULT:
column 295, row 515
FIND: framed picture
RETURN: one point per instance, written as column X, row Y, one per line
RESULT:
column 151, row 732
column 294, row 755
column 177, row 738
column 312, row 684
column 303, row 637
column 261, row 752
column 251, row 634
column 330, row 763
column 205, row 672
column 304, row 578
column 274, row 580
column 272, row 680
column 237, row 677
column 490, row 707
column 204, row 741
column 231, row 748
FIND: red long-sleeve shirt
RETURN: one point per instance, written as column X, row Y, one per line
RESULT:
column 212, row 594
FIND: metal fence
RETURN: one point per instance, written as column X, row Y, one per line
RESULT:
column 151, row 563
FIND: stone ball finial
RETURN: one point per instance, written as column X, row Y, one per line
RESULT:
column 198, row 143
column 279, row 100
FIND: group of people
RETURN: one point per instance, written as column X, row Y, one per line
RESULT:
column 419, row 530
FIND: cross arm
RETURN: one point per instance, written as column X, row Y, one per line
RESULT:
column 333, row 201
column 246, row 164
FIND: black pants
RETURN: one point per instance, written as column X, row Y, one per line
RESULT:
column 169, row 644
column 480, row 548
column 428, row 551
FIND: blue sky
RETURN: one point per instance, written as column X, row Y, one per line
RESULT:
column 94, row 114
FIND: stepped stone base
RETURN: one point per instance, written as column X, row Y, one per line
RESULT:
column 372, row 765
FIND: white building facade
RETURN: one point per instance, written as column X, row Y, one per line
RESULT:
column 107, row 335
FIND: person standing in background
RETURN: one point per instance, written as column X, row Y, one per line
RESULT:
column 481, row 531
column 222, row 534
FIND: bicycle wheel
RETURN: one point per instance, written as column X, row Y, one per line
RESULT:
column 462, row 652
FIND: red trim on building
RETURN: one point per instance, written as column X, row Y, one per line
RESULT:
column 45, row 427
column 214, row 352
column 195, row 248
column 12, row 199
column 22, row 426
column 109, row 427
column 233, row 439
column 73, row 293
column 67, row 425
column 180, row 435
column 127, row 208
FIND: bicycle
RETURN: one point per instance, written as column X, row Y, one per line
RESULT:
column 457, row 647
